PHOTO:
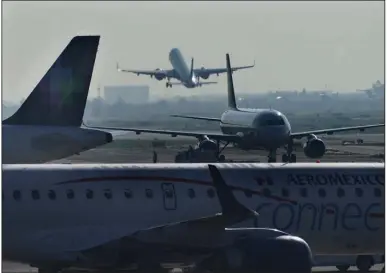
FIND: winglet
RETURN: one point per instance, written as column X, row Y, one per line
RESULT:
column 232, row 209
column 118, row 67
column 192, row 68
column 230, row 85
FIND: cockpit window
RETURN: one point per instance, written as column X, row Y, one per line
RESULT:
column 271, row 120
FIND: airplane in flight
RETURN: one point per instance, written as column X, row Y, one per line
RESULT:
column 47, row 125
column 221, row 217
column 251, row 129
column 188, row 77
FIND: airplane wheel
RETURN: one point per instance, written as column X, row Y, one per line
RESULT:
column 284, row 158
column 271, row 160
column 293, row 158
column 222, row 158
column 364, row 262
column 342, row 268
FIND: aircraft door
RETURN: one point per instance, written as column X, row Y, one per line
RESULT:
column 169, row 196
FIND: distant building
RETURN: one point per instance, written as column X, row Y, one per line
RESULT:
column 131, row 94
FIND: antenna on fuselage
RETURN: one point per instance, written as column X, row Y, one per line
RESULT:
column 230, row 85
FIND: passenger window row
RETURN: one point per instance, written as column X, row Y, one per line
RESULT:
column 107, row 193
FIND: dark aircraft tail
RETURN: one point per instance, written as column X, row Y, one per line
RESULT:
column 230, row 86
column 60, row 97
column 192, row 68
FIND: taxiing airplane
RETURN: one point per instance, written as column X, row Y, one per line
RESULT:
column 188, row 77
column 251, row 129
column 47, row 125
column 222, row 217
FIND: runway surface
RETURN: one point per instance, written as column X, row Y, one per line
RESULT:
column 8, row 267
column 130, row 148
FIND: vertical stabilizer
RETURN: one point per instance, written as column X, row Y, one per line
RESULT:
column 60, row 97
column 230, row 85
column 192, row 68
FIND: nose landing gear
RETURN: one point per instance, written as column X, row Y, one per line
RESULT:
column 289, row 157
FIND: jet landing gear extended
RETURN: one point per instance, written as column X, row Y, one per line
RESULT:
column 221, row 158
column 168, row 84
column 289, row 156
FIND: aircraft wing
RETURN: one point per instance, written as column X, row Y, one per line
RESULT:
column 166, row 73
column 335, row 130
column 199, row 135
column 211, row 71
column 195, row 117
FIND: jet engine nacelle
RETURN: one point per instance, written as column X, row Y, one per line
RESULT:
column 159, row 75
column 204, row 75
column 207, row 145
column 314, row 147
column 277, row 254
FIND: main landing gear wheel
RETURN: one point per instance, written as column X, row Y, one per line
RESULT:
column 272, row 158
column 168, row 85
column 364, row 263
column 222, row 158
column 342, row 268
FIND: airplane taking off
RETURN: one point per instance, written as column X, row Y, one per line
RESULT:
column 251, row 129
column 47, row 125
column 237, row 216
column 189, row 77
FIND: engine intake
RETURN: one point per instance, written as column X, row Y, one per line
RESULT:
column 204, row 76
column 207, row 145
column 314, row 147
column 159, row 75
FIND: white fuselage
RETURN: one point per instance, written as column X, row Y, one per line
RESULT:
column 180, row 66
column 260, row 127
column 38, row 144
column 55, row 210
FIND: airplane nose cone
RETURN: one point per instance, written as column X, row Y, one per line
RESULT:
column 109, row 137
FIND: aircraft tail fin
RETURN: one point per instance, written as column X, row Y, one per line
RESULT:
column 192, row 68
column 60, row 97
column 230, row 86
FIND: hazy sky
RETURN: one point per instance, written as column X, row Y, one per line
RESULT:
column 294, row 44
